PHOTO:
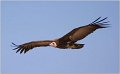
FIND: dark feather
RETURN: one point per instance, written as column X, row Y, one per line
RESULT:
column 81, row 32
column 30, row 45
column 95, row 20
column 101, row 20
column 68, row 40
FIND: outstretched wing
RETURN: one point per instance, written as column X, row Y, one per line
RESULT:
column 30, row 45
column 81, row 32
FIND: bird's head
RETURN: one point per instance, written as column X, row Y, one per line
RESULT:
column 53, row 44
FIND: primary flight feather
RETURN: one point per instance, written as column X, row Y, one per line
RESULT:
column 67, row 41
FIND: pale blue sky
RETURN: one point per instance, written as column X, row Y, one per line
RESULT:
column 40, row 20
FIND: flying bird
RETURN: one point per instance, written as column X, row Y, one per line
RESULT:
column 68, row 41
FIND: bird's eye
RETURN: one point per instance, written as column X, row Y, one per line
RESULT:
column 54, row 44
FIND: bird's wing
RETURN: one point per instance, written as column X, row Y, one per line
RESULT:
column 81, row 32
column 30, row 45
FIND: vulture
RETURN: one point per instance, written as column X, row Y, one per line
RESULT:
column 67, row 41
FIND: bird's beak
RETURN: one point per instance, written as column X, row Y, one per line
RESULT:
column 51, row 44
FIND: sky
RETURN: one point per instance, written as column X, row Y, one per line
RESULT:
column 25, row 21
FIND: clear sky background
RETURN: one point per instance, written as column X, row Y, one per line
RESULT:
column 40, row 20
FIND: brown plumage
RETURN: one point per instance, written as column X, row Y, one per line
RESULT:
column 67, row 41
column 30, row 45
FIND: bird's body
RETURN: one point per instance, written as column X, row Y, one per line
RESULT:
column 67, row 41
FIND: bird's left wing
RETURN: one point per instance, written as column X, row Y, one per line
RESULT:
column 81, row 32
column 30, row 45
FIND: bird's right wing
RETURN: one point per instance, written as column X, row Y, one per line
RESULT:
column 30, row 45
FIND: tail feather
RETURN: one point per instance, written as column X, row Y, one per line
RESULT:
column 77, row 46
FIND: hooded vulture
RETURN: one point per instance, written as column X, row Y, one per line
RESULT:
column 68, row 41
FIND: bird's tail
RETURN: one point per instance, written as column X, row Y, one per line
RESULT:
column 77, row 46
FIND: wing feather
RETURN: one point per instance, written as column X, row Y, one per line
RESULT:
column 30, row 45
column 81, row 32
